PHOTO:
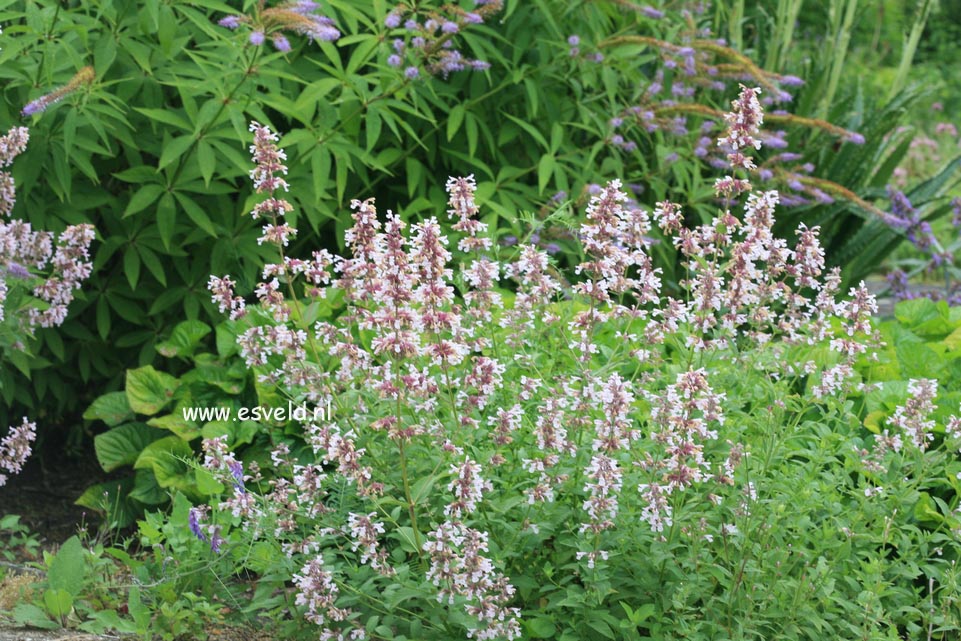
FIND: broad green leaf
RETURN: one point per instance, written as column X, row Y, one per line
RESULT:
column 540, row 628
column 184, row 339
column 67, row 570
column 58, row 603
column 148, row 390
column 176, row 423
column 164, row 457
column 122, row 445
column 31, row 615
column 111, row 498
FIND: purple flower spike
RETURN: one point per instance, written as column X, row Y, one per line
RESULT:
column 231, row 22
column 257, row 38
column 33, row 107
column 394, row 60
column 392, row 21
column 411, row 72
column 237, row 471
column 17, row 270
column 216, row 540
column 281, row 43
column 193, row 521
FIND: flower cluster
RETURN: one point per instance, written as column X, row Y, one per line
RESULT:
column 15, row 448
column 65, row 260
column 441, row 375
column 296, row 17
column 459, row 568
column 11, row 145
column 423, row 39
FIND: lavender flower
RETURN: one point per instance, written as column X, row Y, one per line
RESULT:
column 281, row 43
column 231, row 22
column 194, row 516
column 650, row 12
column 15, row 448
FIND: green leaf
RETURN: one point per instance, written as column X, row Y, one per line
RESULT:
column 227, row 339
column 196, row 213
column 176, row 423
column 405, row 535
column 67, row 570
column 164, row 456
column 122, row 445
column 30, row 615
column 545, row 169
column 174, row 150
column 131, row 266
column 241, row 433
column 206, row 160
column 147, row 490
column 165, row 116
column 184, row 339
column 144, row 197
column 148, row 390
column 166, row 219
column 58, row 603
column 454, row 120
column 111, row 498
column 540, row 628
column 207, row 484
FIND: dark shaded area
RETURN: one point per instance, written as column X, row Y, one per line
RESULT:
column 43, row 494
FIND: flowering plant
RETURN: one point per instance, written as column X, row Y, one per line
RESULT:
column 545, row 458
column 28, row 300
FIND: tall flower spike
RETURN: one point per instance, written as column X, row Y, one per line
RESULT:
column 11, row 145
column 83, row 77
column 744, row 124
column 15, row 448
